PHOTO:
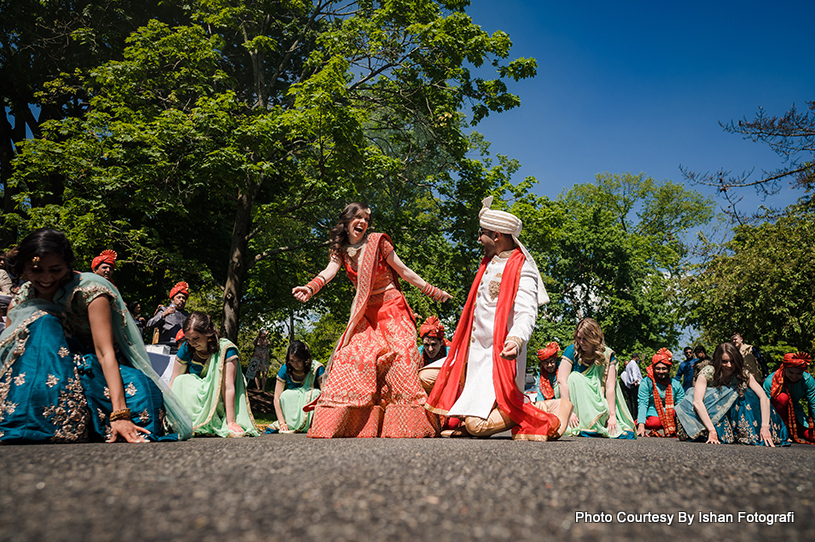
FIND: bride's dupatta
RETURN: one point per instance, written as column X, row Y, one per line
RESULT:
column 368, row 261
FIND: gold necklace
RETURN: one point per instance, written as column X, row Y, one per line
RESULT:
column 353, row 249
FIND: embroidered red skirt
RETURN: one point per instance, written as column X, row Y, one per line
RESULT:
column 373, row 389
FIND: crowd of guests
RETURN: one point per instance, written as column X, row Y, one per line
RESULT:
column 76, row 368
column 718, row 400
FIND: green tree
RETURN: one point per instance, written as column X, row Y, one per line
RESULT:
column 39, row 41
column 755, row 282
column 218, row 148
column 616, row 252
column 761, row 285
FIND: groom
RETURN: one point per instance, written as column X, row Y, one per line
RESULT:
column 488, row 352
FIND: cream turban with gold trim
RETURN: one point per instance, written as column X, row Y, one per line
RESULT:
column 509, row 224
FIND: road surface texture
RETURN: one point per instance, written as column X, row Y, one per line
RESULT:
column 291, row 488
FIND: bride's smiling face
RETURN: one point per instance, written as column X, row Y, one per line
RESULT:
column 358, row 225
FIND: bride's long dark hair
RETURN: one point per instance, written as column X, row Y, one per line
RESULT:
column 339, row 233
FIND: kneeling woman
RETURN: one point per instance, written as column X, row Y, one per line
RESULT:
column 207, row 381
column 722, row 405
column 298, row 383
column 72, row 363
column 588, row 378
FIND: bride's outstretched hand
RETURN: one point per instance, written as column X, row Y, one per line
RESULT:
column 301, row 293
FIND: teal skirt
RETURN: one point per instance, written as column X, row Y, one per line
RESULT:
column 52, row 391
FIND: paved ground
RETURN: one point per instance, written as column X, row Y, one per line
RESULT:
column 290, row 488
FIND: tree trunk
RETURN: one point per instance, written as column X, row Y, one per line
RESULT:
column 236, row 271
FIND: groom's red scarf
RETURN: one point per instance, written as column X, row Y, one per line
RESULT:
column 533, row 424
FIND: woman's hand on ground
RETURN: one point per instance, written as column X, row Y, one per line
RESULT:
column 128, row 430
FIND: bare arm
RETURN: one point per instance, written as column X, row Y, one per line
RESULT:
column 304, row 293
column 279, row 388
column 179, row 368
column 699, row 406
column 611, row 398
column 563, row 373
column 231, row 370
column 102, row 331
column 411, row 276
column 765, row 411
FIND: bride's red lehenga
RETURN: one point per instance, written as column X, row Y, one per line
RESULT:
column 372, row 388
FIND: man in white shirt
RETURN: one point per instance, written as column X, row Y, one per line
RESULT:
column 631, row 378
column 488, row 352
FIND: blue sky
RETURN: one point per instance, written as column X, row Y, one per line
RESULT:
column 640, row 86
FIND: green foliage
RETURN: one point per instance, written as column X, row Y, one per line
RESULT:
column 762, row 285
column 220, row 150
column 617, row 253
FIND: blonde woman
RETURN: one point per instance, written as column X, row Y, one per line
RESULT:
column 588, row 378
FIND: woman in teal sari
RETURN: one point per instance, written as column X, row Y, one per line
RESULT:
column 727, row 405
column 298, row 383
column 207, row 381
column 587, row 377
column 73, row 366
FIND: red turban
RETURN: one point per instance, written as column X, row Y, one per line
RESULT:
column 665, row 410
column 106, row 256
column 432, row 327
column 663, row 355
column 798, row 359
column 779, row 385
column 547, row 352
column 182, row 288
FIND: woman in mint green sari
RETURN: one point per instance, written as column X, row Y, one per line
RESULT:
column 207, row 381
column 298, row 383
column 587, row 377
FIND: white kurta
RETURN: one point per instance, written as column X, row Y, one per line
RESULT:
column 478, row 396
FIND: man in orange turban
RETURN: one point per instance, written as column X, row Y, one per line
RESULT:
column 658, row 395
column 786, row 387
column 170, row 319
column 547, row 372
column 434, row 346
column 104, row 264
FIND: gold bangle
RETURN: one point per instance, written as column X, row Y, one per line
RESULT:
column 121, row 414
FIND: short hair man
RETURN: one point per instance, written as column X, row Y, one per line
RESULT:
column 658, row 396
column 753, row 360
column 685, row 372
column 786, row 387
column 488, row 351
column 631, row 378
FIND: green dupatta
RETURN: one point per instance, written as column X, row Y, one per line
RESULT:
column 203, row 397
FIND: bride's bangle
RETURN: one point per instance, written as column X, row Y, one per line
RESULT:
column 316, row 284
column 433, row 292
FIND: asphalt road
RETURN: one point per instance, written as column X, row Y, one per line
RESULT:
column 291, row 488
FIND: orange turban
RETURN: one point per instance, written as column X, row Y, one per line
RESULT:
column 797, row 359
column 106, row 256
column 432, row 327
column 548, row 351
column 663, row 355
column 181, row 287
